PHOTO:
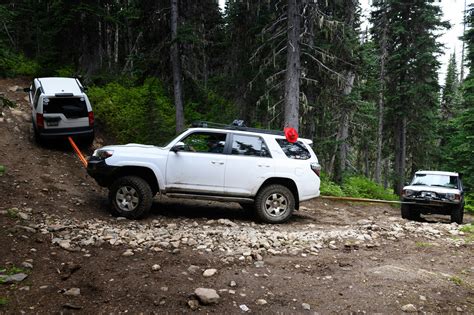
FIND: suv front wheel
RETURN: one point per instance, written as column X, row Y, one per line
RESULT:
column 130, row 197
column 274, row 204
column 457, row 214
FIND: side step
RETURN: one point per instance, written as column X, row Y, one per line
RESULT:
column 210, row 197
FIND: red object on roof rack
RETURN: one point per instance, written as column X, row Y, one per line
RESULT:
column 291, row 134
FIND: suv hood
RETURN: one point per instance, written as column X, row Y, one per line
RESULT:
column 439, row 190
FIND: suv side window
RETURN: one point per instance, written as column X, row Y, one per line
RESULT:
column 37, row 95
column 249, row 145
column 295, row 150
column 205, row 142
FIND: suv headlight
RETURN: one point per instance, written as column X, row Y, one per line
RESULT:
column 103, row 154
column 407, row 192
column 453, row 197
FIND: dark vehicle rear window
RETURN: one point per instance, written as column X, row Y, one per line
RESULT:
column 71, row 107
column 295, row 150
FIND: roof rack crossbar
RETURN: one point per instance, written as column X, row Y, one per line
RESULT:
column 207, row 124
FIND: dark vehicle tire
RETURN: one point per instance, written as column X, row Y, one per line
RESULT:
column 274, row 204
column 457, row 214
column 38, row 139
column 409, row 213
column 130, row 197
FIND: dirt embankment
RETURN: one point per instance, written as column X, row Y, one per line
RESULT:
column 332, row 257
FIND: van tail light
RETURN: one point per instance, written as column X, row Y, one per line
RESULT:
column 316, row 168
column 91, row 119
column 39, row 121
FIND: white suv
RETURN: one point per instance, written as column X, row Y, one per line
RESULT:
column 434, row 192
column 260, row 169
column 60, row 107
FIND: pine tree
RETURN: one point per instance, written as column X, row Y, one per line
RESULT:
column 412, row 87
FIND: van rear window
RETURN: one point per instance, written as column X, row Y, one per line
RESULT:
column 295, row 150
column 71, row 107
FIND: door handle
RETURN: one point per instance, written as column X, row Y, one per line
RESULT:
column 263, row 165
column 217, row 162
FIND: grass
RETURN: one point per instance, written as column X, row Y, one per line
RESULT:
column 456, row 280
column 423, row 244
column 3, row 301
column 12, row 213
column 469, row 228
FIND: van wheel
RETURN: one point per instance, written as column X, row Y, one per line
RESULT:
column 457, row 214
column 38, row 139
column 130, row 197
column 275, row 204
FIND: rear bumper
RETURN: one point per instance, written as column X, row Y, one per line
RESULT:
column 100, row 171
column 63, row 132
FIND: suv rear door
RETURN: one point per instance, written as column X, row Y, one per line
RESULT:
column 248, row 165
column 65, row 112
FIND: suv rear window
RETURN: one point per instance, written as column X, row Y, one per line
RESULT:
column 71, row 107
column 295, row 150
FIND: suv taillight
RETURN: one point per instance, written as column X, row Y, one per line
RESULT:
column 39, row 120
column 91, row 119
column 316, row 168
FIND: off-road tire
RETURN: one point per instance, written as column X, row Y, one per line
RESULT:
column 409, row 213
column 269, row 201
column 139, row 192
column 457, row 214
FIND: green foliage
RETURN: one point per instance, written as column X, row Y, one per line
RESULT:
column 362, row 187
column 12, row 213
column 142, row 114
column 12, row 65
column 357, row 187
column 2, row 170
column 330, row 188
column 468, row 228
column 3, row 301
column 456, row 280
column 423, row 244
column 469, row 206
column 66, row 71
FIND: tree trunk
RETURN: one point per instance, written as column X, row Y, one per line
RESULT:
column 400, row 155
column 383, row 57
column 176, row 65
column 293, row 66
column 344, row 129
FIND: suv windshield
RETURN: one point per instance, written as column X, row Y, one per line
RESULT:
column 435, row 180
column 71, row 107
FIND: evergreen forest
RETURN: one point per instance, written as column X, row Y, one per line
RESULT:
column 368, row 97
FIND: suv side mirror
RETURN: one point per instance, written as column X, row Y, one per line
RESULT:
column 180, row 146
column 27, row 90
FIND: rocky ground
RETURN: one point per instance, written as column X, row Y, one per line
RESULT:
column 61, row 252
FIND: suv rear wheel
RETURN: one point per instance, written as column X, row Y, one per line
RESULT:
column 275, row 204
column 130, row 197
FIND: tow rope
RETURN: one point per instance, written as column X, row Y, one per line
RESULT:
column 373, row 200
column 78, row 152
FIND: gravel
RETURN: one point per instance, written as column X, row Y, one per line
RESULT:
column 240, row 240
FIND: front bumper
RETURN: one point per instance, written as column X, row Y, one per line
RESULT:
column 100, row 171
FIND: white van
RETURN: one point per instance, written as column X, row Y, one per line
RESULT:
column 60, row 108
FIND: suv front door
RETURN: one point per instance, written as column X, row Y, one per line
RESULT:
column 200, row 167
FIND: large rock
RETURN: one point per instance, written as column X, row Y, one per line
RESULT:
column 207, row 296
column 209, row 272
column 13, row 278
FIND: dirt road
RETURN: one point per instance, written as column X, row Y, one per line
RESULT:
column 332, row 257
